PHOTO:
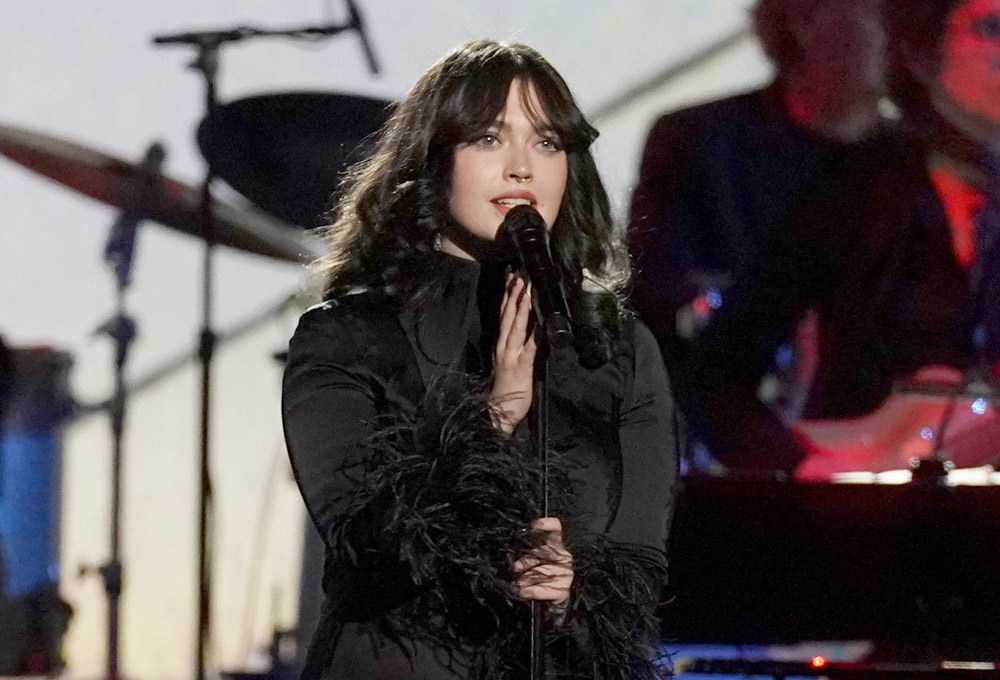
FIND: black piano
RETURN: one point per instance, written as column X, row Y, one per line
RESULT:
column 913, row 566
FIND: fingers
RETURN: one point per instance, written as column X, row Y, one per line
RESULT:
column 544, row 578
column 507, row 310
column 546, row 572
column 519, row 331
column 546, row 583
column 513, row 356
column 549, row 524
column 515, row 315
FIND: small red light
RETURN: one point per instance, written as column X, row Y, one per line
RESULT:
column 817, row 662
column 701, row 307
column 37, row 664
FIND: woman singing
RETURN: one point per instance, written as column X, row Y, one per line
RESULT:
column 406, row 395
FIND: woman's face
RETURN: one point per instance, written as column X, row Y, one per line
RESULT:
column 513, row 163
column 969, row 78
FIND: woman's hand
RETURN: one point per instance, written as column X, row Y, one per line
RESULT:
column 546, row 573
column 514, row 356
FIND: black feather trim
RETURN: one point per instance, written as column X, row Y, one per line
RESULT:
column 456, row 499
column 615, row 591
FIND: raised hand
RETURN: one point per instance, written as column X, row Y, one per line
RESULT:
column 514, row 355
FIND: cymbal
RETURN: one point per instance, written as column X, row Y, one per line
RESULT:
column 285, row 151
column 172, row 203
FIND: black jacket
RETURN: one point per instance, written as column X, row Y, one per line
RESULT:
column 871, row 252
column 356, row 360
column 714, row 182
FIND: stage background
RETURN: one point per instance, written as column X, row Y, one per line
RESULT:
column 86, row 71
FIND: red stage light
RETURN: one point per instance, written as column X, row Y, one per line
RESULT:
column 817, row 662
column 701, row 307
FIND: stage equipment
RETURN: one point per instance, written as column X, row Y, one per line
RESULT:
column 111, row 180
column 935, row 420
column 207, row 45
column 285, row 152
column 33, row 618
column 779, row 670
column 912, row 566
column 118, row 254
column 525, row 229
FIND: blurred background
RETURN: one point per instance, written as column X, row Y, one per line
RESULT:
column 87, row 73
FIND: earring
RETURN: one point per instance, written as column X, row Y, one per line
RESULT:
column 437, row 241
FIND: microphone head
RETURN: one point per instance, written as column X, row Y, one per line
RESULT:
column 523, row 226
column 518, row 220
column 523, row 233
column 522, row 223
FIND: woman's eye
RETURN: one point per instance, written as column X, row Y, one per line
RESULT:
column 988, row 27
column 550, row 144
column 488, row 139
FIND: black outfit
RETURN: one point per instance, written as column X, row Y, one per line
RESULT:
column 714, row 182
column 872, row 253
column 358, row 367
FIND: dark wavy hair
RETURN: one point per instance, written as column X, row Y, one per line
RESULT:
column 394, row 204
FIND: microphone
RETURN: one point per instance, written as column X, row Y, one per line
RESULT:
column 358, row 24
column 526, row 229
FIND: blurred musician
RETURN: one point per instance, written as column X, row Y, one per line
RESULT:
column 715, row 178
column 897, row 253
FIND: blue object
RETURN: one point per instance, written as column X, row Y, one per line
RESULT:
column 29, row 510
column 784, row 357
column 714, row 297
column 979, row 406
column 30, row 465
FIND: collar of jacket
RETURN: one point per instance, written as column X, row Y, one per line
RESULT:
column 439, row 328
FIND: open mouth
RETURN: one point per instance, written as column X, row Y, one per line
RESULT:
column 511, row 202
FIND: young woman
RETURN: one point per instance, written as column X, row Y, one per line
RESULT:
column 406, row 395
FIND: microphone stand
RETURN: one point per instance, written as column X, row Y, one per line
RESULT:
column 122, row 329
column 207, row 63
column 540, row 430
column 208, row 44
column 557, row 332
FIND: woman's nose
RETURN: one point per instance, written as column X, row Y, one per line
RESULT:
column 519, row 167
